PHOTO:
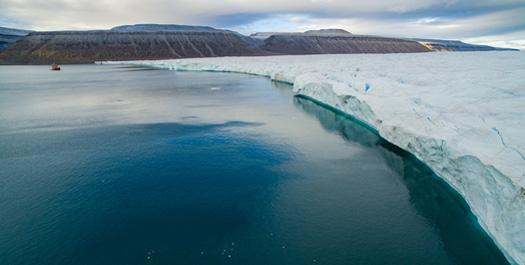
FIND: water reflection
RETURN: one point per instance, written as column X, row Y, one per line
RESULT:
column 129, row 162
column 443, row 209
column 332, row 121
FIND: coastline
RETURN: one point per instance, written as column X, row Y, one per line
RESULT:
column 459, row 113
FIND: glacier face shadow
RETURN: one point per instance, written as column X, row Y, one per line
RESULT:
column 463, row 239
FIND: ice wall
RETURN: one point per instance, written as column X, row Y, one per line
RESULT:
column 462, row 114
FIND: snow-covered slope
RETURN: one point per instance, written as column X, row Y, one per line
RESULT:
column 463, row 114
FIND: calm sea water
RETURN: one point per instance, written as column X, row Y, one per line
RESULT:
column 123, row 165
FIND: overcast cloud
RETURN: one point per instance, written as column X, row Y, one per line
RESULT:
column 501, row 21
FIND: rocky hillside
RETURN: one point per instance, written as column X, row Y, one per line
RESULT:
column 152, row 41
column 337, row 41
column 8, row 37
column 128, row 43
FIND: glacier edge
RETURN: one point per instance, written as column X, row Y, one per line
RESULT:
column 413, row 102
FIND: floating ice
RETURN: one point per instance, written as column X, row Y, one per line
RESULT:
column 462, row 114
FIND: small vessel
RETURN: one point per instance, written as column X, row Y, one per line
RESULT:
column 55, row 67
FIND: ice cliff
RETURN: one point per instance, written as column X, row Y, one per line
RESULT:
column 462, row 114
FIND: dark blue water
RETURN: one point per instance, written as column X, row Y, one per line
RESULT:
column 116, row 165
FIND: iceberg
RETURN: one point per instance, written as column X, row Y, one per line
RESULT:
column 462, row 114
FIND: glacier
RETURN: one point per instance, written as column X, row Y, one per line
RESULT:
column 462, row 114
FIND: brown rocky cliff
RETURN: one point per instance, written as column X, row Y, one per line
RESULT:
column 334, row 44
column 91, row 46
column 153, row 41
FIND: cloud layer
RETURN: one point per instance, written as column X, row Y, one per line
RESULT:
column 488, row 20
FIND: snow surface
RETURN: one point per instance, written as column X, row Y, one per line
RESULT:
column 462, row 114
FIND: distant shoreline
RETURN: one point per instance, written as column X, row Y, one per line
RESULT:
column 162, row 42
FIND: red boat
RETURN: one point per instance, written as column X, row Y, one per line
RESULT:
column 55, row 67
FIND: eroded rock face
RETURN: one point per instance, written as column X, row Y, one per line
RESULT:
column 332, row 43
column 153, row 41
column 126, row 44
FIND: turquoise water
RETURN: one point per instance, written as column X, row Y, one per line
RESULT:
column 126, row 165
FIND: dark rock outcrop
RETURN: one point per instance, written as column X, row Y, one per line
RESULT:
column 160, row 28
column 330, row 43
column 128, row 43
column 8, row 37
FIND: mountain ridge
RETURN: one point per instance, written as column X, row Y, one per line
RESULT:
column 9, row 37
column 167, row 41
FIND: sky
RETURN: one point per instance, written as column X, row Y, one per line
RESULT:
column 495, row 22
